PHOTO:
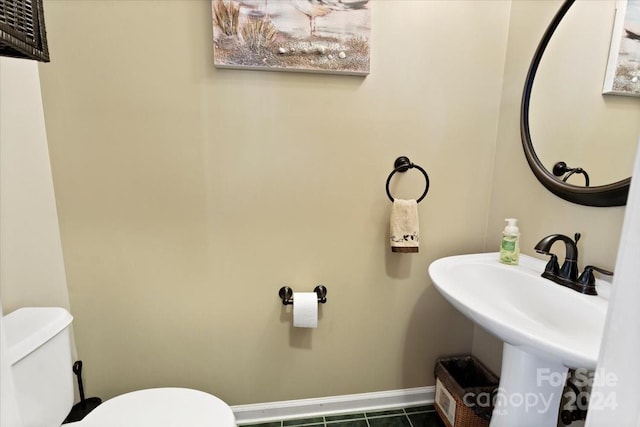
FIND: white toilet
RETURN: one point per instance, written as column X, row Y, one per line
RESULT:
column 39, row 354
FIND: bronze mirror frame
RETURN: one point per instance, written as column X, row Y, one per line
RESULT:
column 614, row 194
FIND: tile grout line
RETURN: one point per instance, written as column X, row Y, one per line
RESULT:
column 326, row 423
column 407, row 415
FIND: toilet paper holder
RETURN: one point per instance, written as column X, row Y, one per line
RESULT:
column 286, row 294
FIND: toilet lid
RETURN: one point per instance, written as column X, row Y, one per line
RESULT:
column 161, row 407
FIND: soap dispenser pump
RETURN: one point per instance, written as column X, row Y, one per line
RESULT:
column 510, row 245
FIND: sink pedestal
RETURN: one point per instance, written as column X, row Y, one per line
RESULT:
column 530, row 390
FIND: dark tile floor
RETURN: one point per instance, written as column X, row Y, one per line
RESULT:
column 418, row 416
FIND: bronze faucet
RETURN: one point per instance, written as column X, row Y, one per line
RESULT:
column 567, row 275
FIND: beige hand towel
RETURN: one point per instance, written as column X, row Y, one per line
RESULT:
column 404, row 231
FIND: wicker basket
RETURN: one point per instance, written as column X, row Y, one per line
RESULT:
column 464, row 391
column 22, row 31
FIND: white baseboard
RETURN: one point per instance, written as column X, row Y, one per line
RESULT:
column 265, row 412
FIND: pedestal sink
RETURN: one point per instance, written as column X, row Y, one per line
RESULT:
column 546, row 329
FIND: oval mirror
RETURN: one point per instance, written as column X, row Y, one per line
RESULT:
column 580, row 154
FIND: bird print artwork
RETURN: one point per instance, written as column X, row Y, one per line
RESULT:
column 631, row 35
column 623, row 70
column 327, row 36
column 316, row 8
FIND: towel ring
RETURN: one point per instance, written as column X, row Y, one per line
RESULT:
column 403, row 164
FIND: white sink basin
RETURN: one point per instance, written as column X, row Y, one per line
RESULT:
column 546, row 328
column 518, row 306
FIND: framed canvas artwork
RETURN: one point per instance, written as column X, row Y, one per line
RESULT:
column 325, row 36
column 623, row 68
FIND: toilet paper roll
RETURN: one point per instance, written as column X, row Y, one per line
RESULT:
column 305, row 309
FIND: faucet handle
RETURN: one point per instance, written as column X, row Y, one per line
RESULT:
column 587, row 280
column 600, row 270
column 552, row 269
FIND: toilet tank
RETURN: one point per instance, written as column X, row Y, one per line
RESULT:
column 38, row 347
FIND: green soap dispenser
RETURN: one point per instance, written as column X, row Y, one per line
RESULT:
column 510, row 245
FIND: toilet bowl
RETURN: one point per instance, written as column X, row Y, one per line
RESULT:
column 39, row 356
column 179, row 407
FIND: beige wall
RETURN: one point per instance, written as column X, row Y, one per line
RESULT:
column 189, row 195
column 516, row 192
column 31, row 264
